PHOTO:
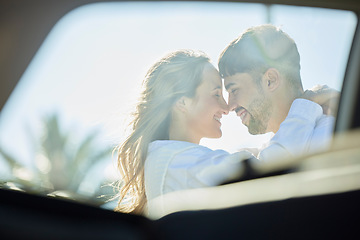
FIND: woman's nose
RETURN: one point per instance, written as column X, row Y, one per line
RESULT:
column 225, row 107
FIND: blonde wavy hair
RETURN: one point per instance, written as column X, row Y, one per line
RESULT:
column 175, row 75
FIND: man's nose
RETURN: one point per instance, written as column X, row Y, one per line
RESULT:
column 231, row 104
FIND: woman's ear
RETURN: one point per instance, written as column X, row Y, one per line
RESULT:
column 272, row 79
column 182, row 104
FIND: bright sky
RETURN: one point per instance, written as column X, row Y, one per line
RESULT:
column 91, row 65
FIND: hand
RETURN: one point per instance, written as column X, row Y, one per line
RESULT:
column 326, row 97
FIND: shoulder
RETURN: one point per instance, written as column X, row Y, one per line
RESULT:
column 177, row 147
column 170, row 148
column 325, row 122
column 303, row 109
column 184, row 152
column 303, row 106
column 166, row 150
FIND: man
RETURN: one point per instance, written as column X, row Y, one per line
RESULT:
column 261, row 71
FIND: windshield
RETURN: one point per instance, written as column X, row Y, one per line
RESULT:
column 73, row 104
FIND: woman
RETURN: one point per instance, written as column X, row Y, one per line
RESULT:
column 182, row 102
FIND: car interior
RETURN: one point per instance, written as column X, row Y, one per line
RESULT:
column 308, row 197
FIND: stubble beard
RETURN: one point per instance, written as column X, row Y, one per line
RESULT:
column 260, row 112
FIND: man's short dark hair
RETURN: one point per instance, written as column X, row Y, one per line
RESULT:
column 260, row 48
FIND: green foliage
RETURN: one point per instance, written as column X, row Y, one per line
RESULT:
column 60, row 163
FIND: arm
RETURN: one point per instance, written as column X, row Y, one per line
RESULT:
column 221, row 168
column 201, row 167
column 294, row 134
column 175, row 165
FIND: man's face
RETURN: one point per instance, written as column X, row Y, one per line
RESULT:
column 248, row 100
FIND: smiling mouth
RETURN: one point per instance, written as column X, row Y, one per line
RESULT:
column 217, row 119
column 241, row 112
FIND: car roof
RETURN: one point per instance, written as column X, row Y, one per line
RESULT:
column 25, row 24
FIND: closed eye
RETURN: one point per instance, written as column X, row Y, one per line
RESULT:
column 217, row 93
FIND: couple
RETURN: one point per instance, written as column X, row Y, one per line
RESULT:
column 182, row 103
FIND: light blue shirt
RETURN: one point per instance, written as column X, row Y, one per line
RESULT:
column 305, row 130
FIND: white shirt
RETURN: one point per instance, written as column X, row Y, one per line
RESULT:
column 305, row 130
column 176, row 165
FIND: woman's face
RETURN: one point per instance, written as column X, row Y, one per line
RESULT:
column 207, row 107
